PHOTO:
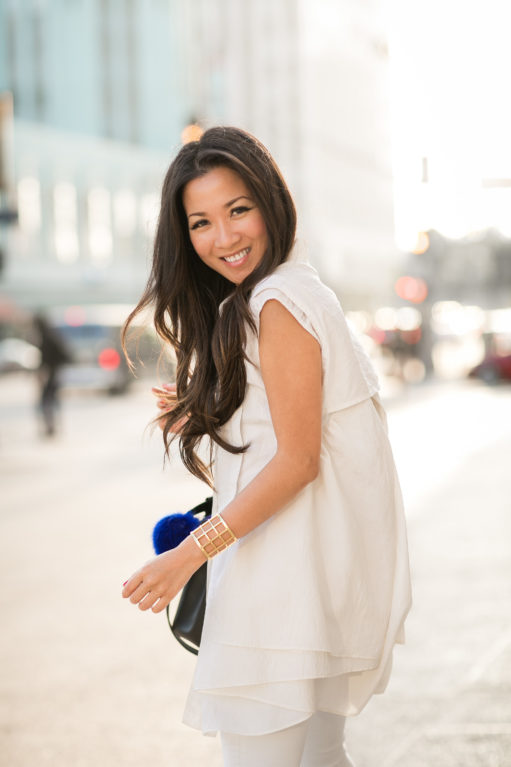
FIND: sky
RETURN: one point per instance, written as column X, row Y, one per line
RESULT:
column 450, row 72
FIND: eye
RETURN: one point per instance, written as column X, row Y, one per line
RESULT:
column 239, row 210
column 199, row 224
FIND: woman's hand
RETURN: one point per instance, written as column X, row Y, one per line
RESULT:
column 166, row 394
column 160, row 579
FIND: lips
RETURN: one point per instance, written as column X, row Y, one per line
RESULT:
column 236, row 258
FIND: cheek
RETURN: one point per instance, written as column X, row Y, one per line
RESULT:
column 259, row 228
column 199, row 243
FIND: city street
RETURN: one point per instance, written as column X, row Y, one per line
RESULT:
column 88, row 680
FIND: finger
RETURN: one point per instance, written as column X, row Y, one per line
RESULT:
column 176, row 428
column 148, row 601
column 179, row 424
column 166, row 389
column 160, row 605
column 131, row 584
column 139, row 593
column 159, row 391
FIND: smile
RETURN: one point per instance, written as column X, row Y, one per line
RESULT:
column 237, row 257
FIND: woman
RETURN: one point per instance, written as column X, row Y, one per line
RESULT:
column 310, row 589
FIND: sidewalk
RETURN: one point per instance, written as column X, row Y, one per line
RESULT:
column 87, row 681
column 449, row 701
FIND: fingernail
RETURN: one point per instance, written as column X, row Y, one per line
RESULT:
column 125, row 582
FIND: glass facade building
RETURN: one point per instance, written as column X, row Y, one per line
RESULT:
column 103, row 89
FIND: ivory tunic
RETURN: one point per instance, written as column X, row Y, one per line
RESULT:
column 303, row 612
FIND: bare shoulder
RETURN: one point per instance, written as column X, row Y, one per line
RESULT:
column 288, row 352
column 278, row 323
column 275, row 311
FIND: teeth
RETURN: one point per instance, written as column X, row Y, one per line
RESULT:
column 237, row 257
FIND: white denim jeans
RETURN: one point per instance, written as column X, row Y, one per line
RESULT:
column 316, row 742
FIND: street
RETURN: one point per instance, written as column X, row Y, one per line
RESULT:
column 87, row 680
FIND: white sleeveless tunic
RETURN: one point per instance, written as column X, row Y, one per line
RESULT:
column 303, row 612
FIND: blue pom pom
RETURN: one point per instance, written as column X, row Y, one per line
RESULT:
column 170, row 531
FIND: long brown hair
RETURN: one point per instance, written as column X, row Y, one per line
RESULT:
column 186, row 294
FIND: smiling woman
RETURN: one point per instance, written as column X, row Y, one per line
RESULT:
column 308, row 580
column 222, row 195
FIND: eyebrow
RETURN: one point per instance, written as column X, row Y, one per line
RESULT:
column 227, row 205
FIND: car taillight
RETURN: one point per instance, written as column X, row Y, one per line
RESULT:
column 109, row 359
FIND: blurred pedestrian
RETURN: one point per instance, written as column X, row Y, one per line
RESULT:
column 54, row 354
column 310, row 590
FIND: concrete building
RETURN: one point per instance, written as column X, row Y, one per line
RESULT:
column 243, row 67
column 87, row 213
column 348, row 196
column 310, row 80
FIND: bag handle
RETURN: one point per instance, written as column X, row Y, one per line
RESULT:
column 206, row 508
column 188, row 646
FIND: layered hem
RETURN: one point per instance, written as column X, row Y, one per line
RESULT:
column 224, row 666
column 219, row 702
column 265, row 708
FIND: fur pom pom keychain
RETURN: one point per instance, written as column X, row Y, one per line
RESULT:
column 174, row 528
column 171, row 530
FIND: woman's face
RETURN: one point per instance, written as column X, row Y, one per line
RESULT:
column 226, row 227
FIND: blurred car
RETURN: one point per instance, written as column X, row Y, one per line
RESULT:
column 92, row 337
column 493, row 368
column 18, row 355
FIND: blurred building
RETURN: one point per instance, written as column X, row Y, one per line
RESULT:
column 87, row 212
column 97, row 113
column 310, row 80
column 103, row 88
column 243, row 67
column 106, row 68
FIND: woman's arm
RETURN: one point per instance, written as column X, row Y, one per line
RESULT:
column 291, row 369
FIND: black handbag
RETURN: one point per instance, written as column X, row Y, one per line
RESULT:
column 189, row 616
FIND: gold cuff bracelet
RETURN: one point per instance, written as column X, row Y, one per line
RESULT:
column 213, row 536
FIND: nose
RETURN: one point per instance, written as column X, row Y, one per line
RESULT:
column 226, row 235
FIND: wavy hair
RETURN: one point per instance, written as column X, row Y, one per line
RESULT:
column 186, row 294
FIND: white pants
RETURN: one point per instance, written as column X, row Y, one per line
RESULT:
column 316, row 742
